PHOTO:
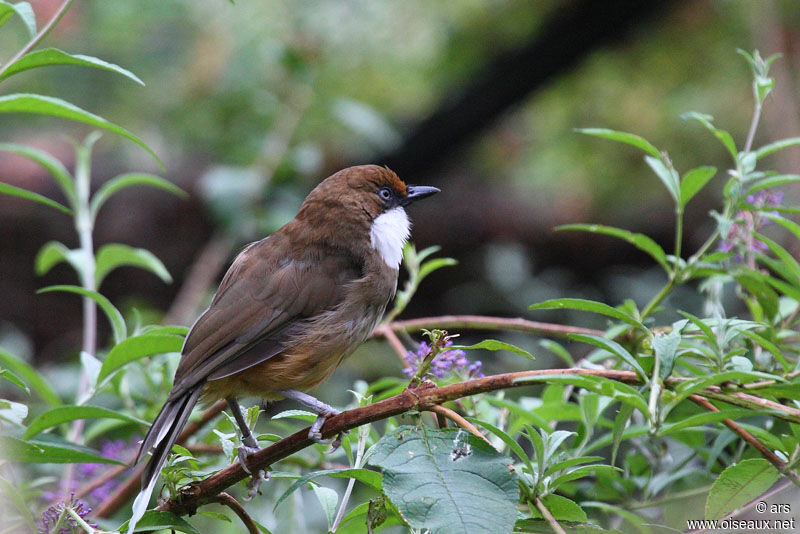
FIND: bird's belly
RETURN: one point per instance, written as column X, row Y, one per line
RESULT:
column 312, row 358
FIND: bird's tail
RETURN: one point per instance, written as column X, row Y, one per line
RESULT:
column 160, row 438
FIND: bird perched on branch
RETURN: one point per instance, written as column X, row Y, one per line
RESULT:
column 290, row 308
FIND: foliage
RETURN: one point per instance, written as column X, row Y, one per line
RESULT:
column 646, row 418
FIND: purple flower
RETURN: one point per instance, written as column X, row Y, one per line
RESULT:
column 68, row 524
column 750, row 221
column 447, row 361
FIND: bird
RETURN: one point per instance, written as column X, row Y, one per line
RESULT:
column 290, row 308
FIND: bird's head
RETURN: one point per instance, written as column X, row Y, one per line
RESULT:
column 364, row 203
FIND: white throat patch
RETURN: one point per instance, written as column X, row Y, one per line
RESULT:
column 389, row 233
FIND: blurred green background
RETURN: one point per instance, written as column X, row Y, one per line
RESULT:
column 249, row 105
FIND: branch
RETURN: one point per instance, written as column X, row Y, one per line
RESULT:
column 482, row 322
column 779, row 464
column 421, row 398
column 131, row 485
column 227, row 500
column 557, row 528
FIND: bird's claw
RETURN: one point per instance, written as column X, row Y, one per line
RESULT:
column 248, row 448
column 315, row 432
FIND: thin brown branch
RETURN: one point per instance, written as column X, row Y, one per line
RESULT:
column 481, row 322
column 460, row 421
column 779, row 464
column 422, row 398
column 227, row 500
column 131, row 485
column 558, row 529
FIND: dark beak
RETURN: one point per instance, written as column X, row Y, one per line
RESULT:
column 416, row 192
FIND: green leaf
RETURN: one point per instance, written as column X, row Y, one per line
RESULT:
column 51, row 164
column 14, row 379
column 153, row 520
column 738, row 485
column 597, row 384
column 694, row 181
column 429, row 266
column 704, row 418
column 622, row 137
column 447, row 481
column 561, row 508
column 618, row 511
column 370, row 478
column 640, row 241
column 665, row 347
column 790, row 265
column 114, row 255
column 127, row 180
column 46, row 105
column 328, row 499
column 587, row 305
column 493, row 344
column 137, row 347
column 49, row 449
column 15, row 191
column 512, row 444
column 30, row 375
column 112, row 313
column 580, row 472
column 723, row 136
column 53, row 253
column 772, row 181
column 53, row 56
column 667, row 175
column 65, row 414
column 620, row 422
column 614, row 348
column 766, row 150
column 25, row 12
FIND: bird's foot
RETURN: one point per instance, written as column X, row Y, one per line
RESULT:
column 315, row 432
column 249, row 447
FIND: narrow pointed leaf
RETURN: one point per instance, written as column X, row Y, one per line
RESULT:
column 31, row 376
column 46, row 105
column 694, row 181
column 667, row 176
column 65, row 414
column 723, row 136
column 55, row 167
column 112, row 313
column 493, row 344
column 156, row 520
column 23, row 10
column 130, row 179
column 8, row 189
column 113, row 255
column 766, row 150
column 49, row 449
column 622, row 137
column 53, row 253
column 53, row 56
column 640, row 241
column 614, row 348
column 738, row 485
column 138, row 347
column 589, row 306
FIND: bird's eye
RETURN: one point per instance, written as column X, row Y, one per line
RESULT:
column 385, row 193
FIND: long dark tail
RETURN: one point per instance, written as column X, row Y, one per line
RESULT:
column 159, row 439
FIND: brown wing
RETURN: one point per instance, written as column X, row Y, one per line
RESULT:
column 266, row 293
